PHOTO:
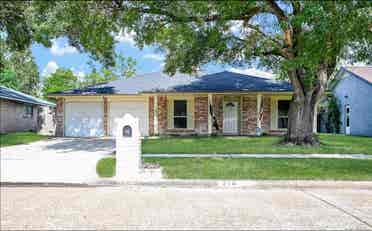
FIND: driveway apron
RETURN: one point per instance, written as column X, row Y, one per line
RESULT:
column 65, row 160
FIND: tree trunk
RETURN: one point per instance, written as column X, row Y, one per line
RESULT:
column 302, row 109
column 301, row 121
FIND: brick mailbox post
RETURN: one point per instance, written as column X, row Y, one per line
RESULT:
column 128, row 148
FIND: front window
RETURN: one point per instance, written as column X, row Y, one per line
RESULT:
column 180, row 114
column 283, row 108
column 28, row 111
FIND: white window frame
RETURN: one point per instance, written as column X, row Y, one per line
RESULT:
column 189, row 108
column 185, row 116
column 28, row 113
column 281, row 116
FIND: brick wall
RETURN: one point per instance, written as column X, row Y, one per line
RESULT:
column 105, row 116
column 201, row 115
column 151, row 115
column 248, row 115
column 266, row 114
column 162, row 114
column 218, row 111
column 60, row 117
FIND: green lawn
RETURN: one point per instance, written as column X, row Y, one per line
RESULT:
column 266, row 144
column 252, row 168
column 266, row 168
column 20, row 138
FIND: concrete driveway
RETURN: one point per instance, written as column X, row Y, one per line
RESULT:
column 159, row 208
column 69, row 160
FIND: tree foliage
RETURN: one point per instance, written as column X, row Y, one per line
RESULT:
column 61, row 80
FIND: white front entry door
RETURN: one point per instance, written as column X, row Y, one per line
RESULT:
column 137, row 109
column 230, row 118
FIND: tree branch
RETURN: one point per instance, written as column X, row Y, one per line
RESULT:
column 277, row 10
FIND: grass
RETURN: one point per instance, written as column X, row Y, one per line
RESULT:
column 254, row 168
column 20, row 138
column 106, row 167
column 265, row 168
column 330, row 143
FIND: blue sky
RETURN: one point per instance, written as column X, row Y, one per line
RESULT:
column 148, row 59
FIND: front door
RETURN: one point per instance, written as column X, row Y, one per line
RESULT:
column 230, row 118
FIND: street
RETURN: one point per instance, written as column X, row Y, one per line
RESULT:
column 145, row 207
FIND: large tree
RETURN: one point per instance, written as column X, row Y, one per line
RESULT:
column 61, row 80
column 302, row 41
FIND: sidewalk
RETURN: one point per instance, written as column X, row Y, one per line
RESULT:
column 336, row 156
column 238, row 184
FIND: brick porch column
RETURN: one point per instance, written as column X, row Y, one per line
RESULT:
column 105, row 116
column 60, row 117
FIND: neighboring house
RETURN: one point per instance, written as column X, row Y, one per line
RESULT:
column 353, row 90
column 221, row 103
column 22, row 112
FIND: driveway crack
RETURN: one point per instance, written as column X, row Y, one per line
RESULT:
column 313, row 195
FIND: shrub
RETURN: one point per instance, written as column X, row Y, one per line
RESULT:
column 106, row 167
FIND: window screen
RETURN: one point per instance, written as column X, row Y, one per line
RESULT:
column 180, row 114
column 283, row 108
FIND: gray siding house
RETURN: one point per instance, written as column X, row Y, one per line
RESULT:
column 22, row 112
column 354, row 93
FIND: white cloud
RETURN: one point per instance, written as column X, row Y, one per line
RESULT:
column 125, row 37
column 254, row 72
column 50, row 68
column 60, row 49
column 157, row 57
column 79, row 74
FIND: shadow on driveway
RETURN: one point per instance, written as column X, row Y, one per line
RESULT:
column 82, row 144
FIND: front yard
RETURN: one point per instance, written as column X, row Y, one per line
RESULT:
column 254, row 168
column 330, row 143
column 20, row 138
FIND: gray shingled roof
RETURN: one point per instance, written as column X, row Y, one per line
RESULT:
column 160, row 82
column 10, row 94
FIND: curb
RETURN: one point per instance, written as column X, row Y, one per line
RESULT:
column 218, row 184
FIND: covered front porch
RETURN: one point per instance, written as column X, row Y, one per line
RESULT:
column 219, row 114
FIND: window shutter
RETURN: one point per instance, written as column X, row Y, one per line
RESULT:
column 190, row 113
column 170, row 113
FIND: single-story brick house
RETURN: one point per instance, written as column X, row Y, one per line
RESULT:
column 21, row 112
column 353, row 89
column 223, row 103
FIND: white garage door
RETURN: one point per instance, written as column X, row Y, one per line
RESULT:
column 84, row 119
column 137, row 109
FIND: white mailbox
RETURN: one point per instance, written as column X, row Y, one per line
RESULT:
column 128, row 148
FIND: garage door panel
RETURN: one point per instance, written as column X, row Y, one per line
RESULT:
column 84, row 119
column 137, row 109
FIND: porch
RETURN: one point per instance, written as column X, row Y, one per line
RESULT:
column 218, row 114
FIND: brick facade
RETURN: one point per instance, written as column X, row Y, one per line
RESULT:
column 105, row 116
column 218, row 112
column 151, row 115
column 201, row 115
column 60, row 114
column 162, row 113
column 266, row 114
column 248, row 115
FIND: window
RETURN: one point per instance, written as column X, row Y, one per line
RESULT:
column 28, row 111
column 283, row 108
column 180, row 114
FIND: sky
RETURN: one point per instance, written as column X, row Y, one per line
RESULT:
column 60, row 54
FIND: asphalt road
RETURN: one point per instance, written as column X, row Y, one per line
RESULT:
column 184, row 208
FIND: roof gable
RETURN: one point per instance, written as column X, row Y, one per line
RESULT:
column 364, row 73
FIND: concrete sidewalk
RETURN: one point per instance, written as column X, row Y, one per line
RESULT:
column 232, row 155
